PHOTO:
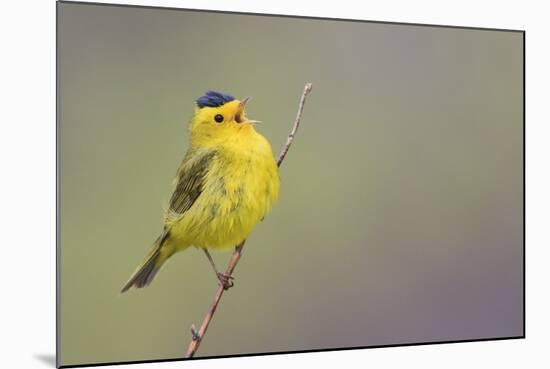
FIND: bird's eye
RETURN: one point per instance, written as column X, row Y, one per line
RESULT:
column 218, row 118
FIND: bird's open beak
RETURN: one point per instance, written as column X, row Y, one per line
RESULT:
column 240, row 117
column 243, row 102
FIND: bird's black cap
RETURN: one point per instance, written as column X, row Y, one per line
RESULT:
column 214, row 99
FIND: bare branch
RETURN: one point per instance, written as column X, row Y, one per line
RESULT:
column 197, row 337
column 290, row 137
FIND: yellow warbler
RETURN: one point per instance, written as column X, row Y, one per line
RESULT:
column 228, row 181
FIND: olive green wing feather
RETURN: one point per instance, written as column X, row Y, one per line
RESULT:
column 188, row 185
column 189, row 181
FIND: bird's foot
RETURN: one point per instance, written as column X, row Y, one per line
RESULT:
column 225, row 280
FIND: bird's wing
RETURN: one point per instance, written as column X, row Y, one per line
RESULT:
column 189, row 181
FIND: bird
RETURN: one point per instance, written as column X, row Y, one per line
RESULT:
column 227, row 182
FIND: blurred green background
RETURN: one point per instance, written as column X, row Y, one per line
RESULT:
column 400, row 214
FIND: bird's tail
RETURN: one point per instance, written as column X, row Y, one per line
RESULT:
column 145, row 273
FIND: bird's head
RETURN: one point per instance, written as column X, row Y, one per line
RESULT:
column 219, row 116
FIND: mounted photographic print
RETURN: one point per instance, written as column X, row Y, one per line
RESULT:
column 243, row 184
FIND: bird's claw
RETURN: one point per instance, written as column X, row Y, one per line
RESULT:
column 225, row 280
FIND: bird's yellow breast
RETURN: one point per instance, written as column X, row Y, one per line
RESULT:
column 240, row 188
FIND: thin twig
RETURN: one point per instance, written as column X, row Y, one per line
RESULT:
column 290, row 137
column 197, row 337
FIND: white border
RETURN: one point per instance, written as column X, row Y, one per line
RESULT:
column 27, row 152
